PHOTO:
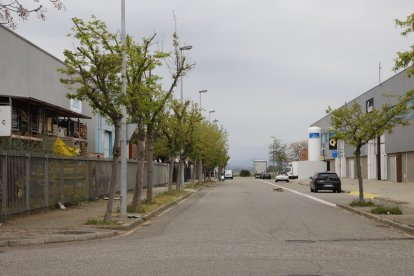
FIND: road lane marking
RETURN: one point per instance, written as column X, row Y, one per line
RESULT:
column 302, row 194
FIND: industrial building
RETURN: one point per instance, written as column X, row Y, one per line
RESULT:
column 30, row 88
column 389, row 157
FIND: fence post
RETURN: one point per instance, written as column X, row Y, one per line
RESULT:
column 5, row 192
column 46, row 181
column 28, row 182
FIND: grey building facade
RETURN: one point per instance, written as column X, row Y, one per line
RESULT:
column 389, row 157
column 27, row 71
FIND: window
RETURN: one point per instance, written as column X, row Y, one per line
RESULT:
column 370, row 105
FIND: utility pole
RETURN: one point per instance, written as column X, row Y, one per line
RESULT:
column 123, row 138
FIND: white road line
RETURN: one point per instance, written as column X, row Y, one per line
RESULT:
column 165, row 212
column 185, row 199
column 302, row 194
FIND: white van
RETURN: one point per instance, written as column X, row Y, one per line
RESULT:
column 228, row 174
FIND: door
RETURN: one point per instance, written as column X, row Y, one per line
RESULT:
column 372, row 160
column 106, row 144
column 383, row 162
column 351, row 165
column 393, row 168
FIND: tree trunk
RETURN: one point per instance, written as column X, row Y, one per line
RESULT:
column 200, row 172
column 139, row 179
column 171, row 173
column 179, row 175
column 114, row 174
column 194, row 171
column 359, row 174
column 150, row 162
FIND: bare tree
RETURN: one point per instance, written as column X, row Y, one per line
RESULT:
column 11, row 8
column 296, row 150
column 278, row 154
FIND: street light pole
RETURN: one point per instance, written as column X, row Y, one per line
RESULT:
column 201, row 91
column 183, row 48
column 123, row 138
column 209, row 114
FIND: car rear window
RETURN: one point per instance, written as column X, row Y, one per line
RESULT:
column 328, row 175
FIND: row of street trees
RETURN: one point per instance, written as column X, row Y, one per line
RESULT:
column 168, row 127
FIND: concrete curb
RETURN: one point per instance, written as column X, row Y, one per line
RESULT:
column 95, row 235
column 150, row 215
column 388, row 222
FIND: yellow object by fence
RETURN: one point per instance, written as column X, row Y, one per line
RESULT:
column 59, row 147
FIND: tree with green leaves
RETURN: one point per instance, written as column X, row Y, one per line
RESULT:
column 212, row 147
column 140, row 82
column 357, row 127
column 406, row 59
column 157, row 100
column 188, row 118
column 11, row 8
column 93, row 72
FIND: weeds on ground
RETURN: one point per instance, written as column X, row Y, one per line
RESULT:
column 196, row 185
column 76, row 199
column 91, row 221
column 381, row 210
column 357, row 203
column 158, row 200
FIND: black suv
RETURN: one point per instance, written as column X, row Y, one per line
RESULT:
column 325, row 181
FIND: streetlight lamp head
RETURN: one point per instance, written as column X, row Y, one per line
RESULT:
column 188, row 47
column 203, row 91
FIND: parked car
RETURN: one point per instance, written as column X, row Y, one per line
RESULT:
column 325, row 181
column 282, row 176
column 265, row 175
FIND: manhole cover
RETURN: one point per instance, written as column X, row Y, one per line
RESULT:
column 74, row 232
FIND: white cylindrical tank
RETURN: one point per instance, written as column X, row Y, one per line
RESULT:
column 314, row 143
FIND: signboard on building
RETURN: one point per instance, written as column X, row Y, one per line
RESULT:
column 332, row 141
column 76, row 105
column 5, row 120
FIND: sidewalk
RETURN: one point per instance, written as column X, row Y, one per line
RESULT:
column 67, row 225
column 386, row 193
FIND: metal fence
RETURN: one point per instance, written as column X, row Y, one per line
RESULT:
column 29, row 182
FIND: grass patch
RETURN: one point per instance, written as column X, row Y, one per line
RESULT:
column 195, row 185
column 158, row 201
column 381, row 210
column 91, row 221
column 357, row 203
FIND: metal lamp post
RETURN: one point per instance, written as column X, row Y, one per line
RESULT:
column 183, row 48
column 201, row 91
column 123, row 138
column 209, row 114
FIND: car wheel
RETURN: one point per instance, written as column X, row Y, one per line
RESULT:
column 287, row 180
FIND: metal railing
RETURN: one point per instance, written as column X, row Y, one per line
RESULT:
column 29, row 182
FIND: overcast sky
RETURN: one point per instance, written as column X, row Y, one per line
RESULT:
column 271, row 67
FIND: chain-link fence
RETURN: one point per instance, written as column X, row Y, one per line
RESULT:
column 29, row 182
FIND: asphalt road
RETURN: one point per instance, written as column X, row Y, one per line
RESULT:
column 240, row 227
